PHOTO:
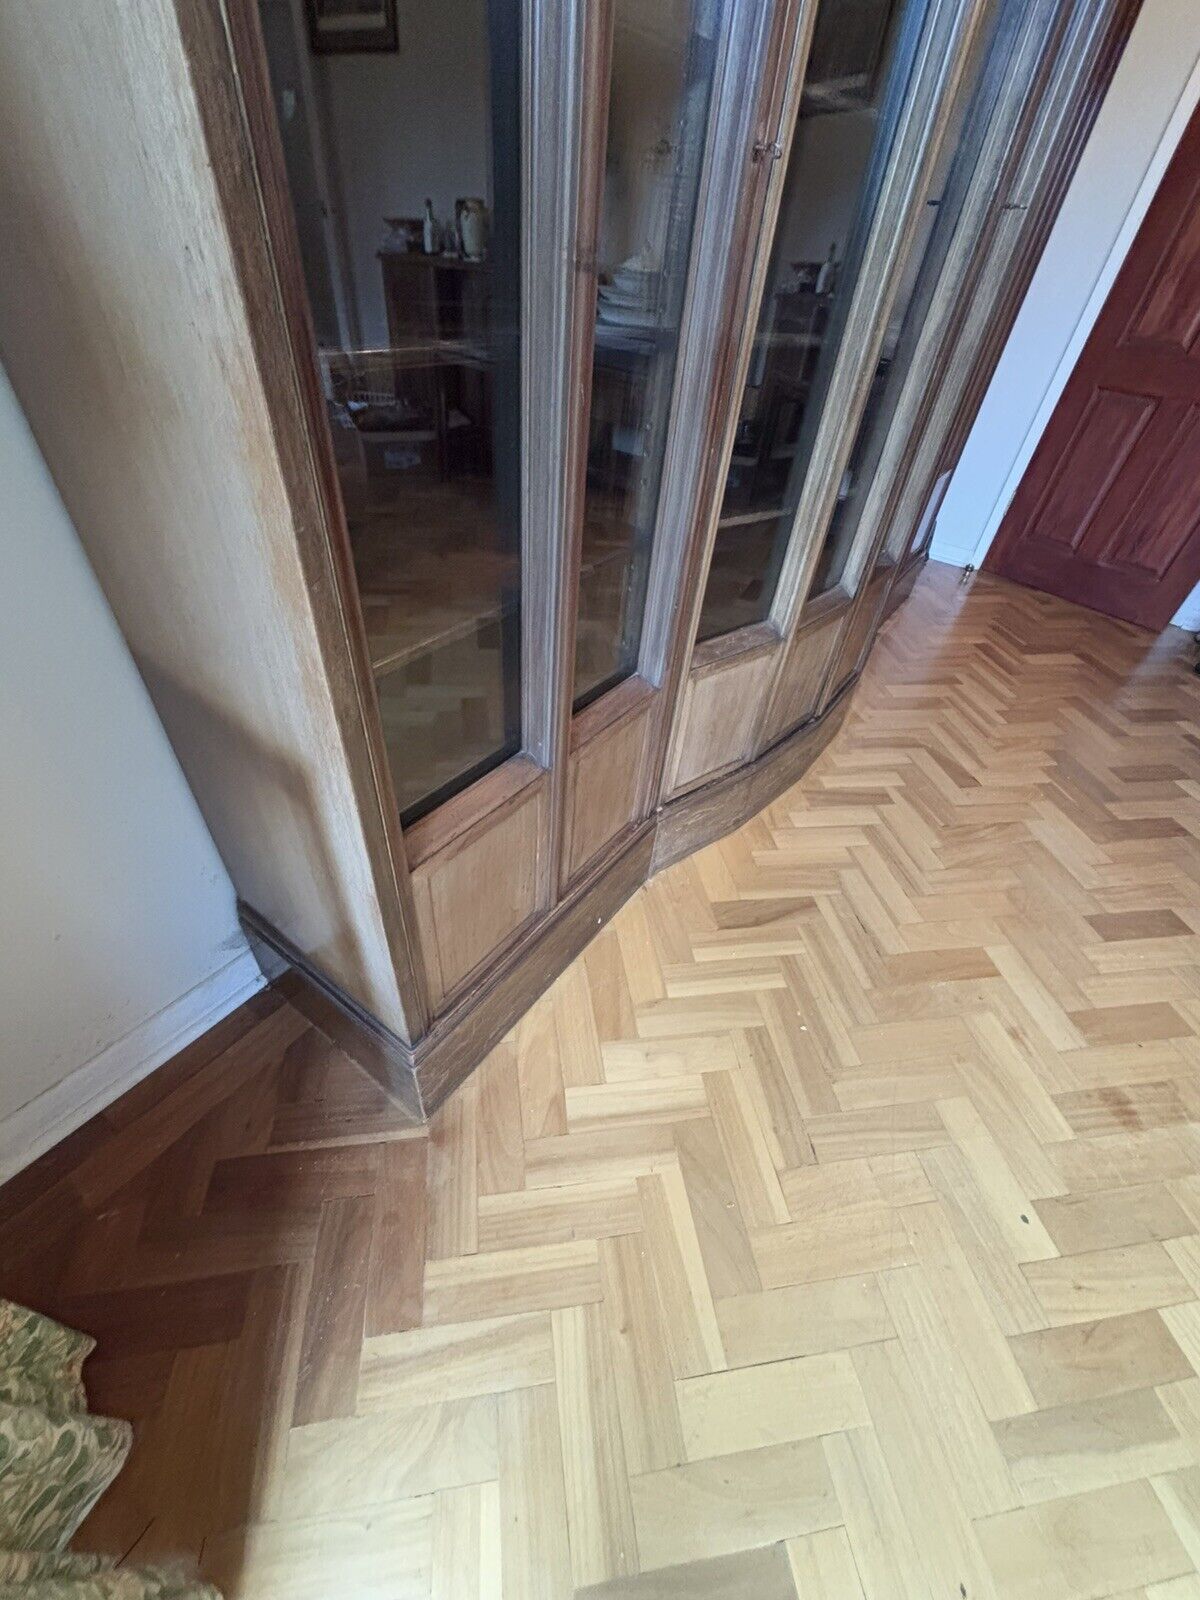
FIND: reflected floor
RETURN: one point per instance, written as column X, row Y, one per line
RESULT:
column 440, row 600
column 733, row 595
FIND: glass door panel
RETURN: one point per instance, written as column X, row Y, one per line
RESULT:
column 939, row 218
column 663, row 53
column 857, row 76
column 419, row 162
column 1016, row 53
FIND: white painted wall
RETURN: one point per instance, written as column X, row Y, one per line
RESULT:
column 1156, row 86
column 118, row 936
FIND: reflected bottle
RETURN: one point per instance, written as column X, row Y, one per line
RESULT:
column 827, row 276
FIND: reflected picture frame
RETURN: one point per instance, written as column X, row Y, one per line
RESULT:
column 343, row 27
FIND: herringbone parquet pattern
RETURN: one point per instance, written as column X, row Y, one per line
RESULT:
column 831, row 1228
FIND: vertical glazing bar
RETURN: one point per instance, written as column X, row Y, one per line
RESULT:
column 561, row 42
column 949, row 30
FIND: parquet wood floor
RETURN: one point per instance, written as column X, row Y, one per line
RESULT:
column 831, row 1228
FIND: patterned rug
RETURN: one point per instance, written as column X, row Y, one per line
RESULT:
column 56, row 1460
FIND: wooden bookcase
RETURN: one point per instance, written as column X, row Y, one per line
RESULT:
column 158, row 334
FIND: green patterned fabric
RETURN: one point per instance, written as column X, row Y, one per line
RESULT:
column 56, row 1460
column 41, row 1362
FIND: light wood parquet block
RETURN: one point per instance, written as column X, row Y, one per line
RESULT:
column 535, row 1552
column 465, row 1556
column 429, row 1365
column 1084, row 1547
column 976, row 1181
column 823, row 1566
column 529, row 1217
column 990, row 1242
column 1084, row 1360
column 499, row 1141
column 375, row 1556
column 831, row 1229
column 1078, row 1223
column 807, row 1319
column 922, row 1471
column 506, row 1281
column 884, row 1550
column 747, row 1153
column 734, row 1502
column 395, row 1291
column 689, row 1321
column 869, row 1237
column 644, row 1381
column 327, row 1380
column 725, row 1246
column 1090, row 1444
column 1104, row 1283
column 775, row 1403
column 390, row 1456
column 1179, row 1492
column 934, row 1373
column 973, row 1323
column 599, row 1516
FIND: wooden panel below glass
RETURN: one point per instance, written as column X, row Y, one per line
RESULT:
column 859, row 631
column 477, row 887
column 607, row 776
column 804, row 670
column 716, row 723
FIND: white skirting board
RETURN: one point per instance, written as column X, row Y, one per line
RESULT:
column 954, row 555
column 67, row 1105
column 1188, row 615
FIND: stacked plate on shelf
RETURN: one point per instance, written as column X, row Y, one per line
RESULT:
column 628, row 299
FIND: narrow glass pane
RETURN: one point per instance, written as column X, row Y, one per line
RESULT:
column 936, row 225
column 858, row 72
column 662, row 64
column 403, row 163
column 957, row 169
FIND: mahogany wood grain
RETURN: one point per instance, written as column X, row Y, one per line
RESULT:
column 1108, row 512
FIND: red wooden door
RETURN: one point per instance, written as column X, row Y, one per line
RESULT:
column 1108, row 512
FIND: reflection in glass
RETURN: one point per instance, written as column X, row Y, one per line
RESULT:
column 947, row 191
column 404, row 171
column 662, row 62
column 956, row 169
column 857, row 73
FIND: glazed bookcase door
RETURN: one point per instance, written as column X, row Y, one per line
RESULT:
column 811, row 337
column 1046, row 80
column 442, row 417
column 971, row 191
column 671, row 125
column 814, row 603
column 547, row 413
column 417, row 879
